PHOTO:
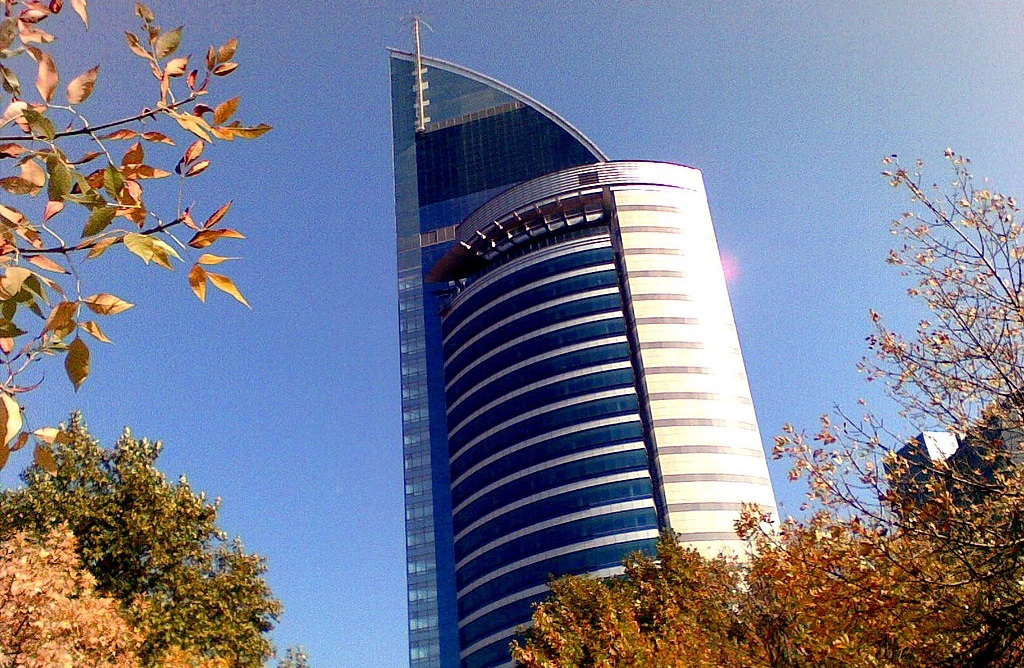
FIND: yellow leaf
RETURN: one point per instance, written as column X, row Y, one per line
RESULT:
column 205, row 238
column 46, row 434
column 81, row 87
column 12, row 280
column 46, row 79
column 193, row 124
column 33, row 172
column 10, row 418
column 94, row 329
column 106, row 304
column 80, row 8
column 47, row 264
column 176, row 67
column 222, row 282
column 210, row 258
column 77, row 362
column 225, row 110
column 101, row 247
column 44, row 459
column 197, row 279
column 150, row 249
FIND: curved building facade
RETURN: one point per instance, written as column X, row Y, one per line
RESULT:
column 572, row 379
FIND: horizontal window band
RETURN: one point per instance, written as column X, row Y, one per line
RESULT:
column 695, row 396
column 666, row 320
column 648, row 207
column 686, row 345
column 654, row 251
column 704, row 422
column 713, row 477
column 711, row 505
column 663, row 229
column 650, row 371
column 708, row 450
column 656, row 273
column 661, row 296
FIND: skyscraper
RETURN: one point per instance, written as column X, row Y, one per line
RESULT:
column 571, row 375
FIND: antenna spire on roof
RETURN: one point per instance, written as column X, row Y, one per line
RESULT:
column 421, row 102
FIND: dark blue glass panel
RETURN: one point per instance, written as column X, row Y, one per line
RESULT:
column 533, row 373
column 560, row 446
column 486, row 153
column 569, row 388
column 556, row 536
column 484, row 297
column 581, row 561
column 551, row 507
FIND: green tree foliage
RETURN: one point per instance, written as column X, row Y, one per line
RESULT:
column 900, row 563
column 152, row 544
column 72, row 192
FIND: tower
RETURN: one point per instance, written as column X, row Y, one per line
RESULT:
column 571, row 374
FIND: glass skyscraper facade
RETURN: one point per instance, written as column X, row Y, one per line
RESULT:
column 571, row 375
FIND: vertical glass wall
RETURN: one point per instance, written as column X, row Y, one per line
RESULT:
column 480, row 138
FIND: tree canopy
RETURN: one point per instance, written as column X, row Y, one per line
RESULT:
column 151, row 544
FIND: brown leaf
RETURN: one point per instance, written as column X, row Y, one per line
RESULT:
column 20, row 442
column 194, row 150
column 52, row 209
column 81, row 87
column 197, row 279
column 210, row 258
column 93, row 329
column 62, row 319
column 44, row 459
column 88, row 157
column 106, row 304
column 121, row 134
column 101, row 246
column 207, row 237
column 176, row 67
column 77, row 362
column 33, row 172
column 7, row 345
column 218, row 215
column 225, row 69
column 29, row 34
column 227, row 51
column 47, row 264
column 11, row 150
column 134, row 155
column 136, row 46
column 157, row 137
column 46, row 79
column 222, row 282
column 198, row 168
column 225, row 110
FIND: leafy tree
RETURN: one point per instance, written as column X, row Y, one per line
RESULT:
column 50, row 612
column 151, row 544
column 900, row 563
column 79, row 195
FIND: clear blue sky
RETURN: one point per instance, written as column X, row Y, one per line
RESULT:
column 290, row 412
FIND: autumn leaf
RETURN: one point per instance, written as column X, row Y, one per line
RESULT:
column 44, row 459
column 10, row 418
column 225, row 110
column 227, row 51
column 225, row 69
column 206, row 238
column 198, row 168
column 93, row 329
column 218, row 215
column 62, row 319
column 123, row 133
column 80, row 8
column 47, row 264
column 150, row 249
column 106, row 304
column 81, row 87
column 222, row 282
column 77, row 362
column 46, row 79
column 209, row 258
column 197, row 280
column 167, row 43
column 99, row 220
column 155, row 136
